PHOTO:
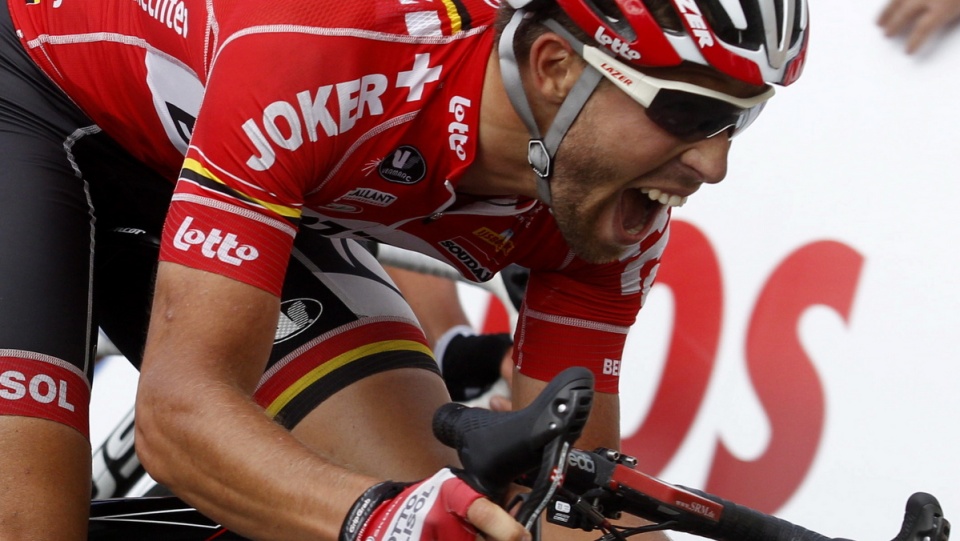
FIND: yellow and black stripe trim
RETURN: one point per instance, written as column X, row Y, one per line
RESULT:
column 317, row 385
column 195, row 171
column 458, row 15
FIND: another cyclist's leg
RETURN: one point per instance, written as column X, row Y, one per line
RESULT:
column 351, row 372
column 132, row 202
column 47, row 334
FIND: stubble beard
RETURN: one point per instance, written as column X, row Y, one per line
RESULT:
column 578, row 222
column 578, row 177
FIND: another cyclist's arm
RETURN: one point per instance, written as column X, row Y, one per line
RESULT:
column 200, row 433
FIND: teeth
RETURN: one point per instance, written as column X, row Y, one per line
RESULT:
column 664, row 198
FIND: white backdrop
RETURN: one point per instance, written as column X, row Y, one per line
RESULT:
column 846, row 187
column 862, row 153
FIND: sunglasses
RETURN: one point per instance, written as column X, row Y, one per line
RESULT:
column 687, row 111
column 684, row 110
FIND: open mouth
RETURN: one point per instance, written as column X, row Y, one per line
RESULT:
column 664, row 198
column 639, row 205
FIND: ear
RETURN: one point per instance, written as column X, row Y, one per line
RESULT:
column 554, row 67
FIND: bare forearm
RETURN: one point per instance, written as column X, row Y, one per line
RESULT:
column 254, row 477
column 199, row 431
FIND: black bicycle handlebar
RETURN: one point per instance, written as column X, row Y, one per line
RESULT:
column 597, row 487
column 679, row 508
column 577, row 489
column 923, row 521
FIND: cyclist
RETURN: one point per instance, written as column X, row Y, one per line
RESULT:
column 290, row 129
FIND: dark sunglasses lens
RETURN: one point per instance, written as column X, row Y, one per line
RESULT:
column 692, row 117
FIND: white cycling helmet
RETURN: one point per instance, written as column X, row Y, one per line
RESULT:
column 756, row 41
column 760, row 42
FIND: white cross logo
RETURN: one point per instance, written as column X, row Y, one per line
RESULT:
column 420, row 75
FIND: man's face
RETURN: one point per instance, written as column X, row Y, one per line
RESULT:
column 616, row 170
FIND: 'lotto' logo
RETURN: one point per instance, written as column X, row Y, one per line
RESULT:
column 214, row 244
column 615, row 45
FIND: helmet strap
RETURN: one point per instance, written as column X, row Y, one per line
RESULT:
column 541, row 150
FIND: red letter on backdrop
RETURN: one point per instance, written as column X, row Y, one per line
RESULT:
column 786, row 381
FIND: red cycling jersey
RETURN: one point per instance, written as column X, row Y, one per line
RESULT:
column 340, row 119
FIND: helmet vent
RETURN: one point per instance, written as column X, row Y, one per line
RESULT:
column 778, row 9
column 666, row 16
column 733, row 32
column 609, row 12
column 799, row 22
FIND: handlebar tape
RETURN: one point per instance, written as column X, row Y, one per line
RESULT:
column 923, row 521
column 745, row 524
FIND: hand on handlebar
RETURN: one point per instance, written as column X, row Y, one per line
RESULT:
column 496, row 449
column 441, row 507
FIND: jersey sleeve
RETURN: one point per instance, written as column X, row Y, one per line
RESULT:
column 580, row 315
column 238, row 201
column 214, row 228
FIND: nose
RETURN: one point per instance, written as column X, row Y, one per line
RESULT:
column 708, row 157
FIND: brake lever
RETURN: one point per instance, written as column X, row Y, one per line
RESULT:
column 495, row 448
column 549, row 479
column 923, row 520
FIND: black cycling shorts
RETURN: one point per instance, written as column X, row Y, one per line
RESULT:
column 80, row 221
